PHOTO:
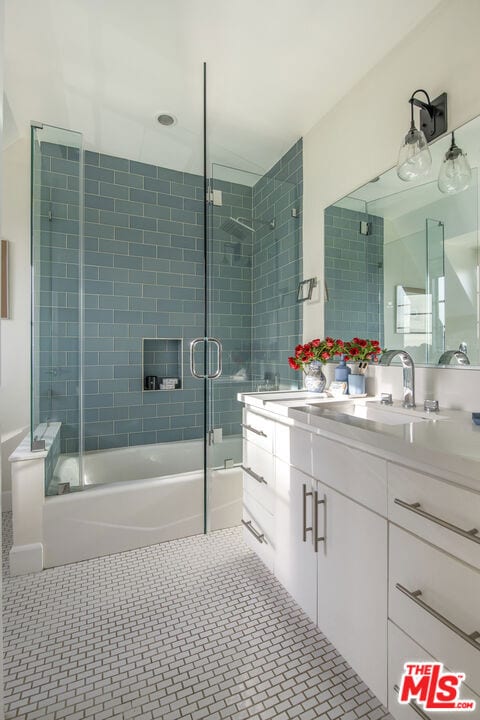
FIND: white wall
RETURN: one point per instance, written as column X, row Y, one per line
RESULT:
column 15, row 332
column 360, row 137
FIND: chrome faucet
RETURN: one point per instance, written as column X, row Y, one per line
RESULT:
column 408, row 374
column 460, row 356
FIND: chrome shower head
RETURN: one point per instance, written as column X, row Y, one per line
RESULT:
column 240, row 226
column 237, row 227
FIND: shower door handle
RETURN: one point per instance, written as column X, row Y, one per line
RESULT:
column 193, row 345
column 218, row 371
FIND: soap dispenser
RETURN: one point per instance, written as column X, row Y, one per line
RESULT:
column 342, row 371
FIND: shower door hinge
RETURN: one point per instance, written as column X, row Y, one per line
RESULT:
column 214, row 436
column 214, row 197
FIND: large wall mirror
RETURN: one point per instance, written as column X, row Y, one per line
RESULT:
column 402, row 262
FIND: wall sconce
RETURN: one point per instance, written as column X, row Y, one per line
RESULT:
column 414, row 158
column 455, row 174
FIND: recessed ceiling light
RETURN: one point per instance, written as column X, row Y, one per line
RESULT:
column 166, row 119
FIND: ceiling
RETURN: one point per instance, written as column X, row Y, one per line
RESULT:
column 275, row 67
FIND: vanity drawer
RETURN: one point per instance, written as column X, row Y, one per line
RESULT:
column 446, row 611
column 402, row 649
column 354, row 473
column 258, row 474
column 450, row 510
column 294, row 447
column 258, row 530
column 258, row 430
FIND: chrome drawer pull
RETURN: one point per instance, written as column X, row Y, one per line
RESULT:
column 414, row 706
column 471, row 639
column 253, row 474
column 258, row 536
column 316, row 503
column 254, row 430
column 472, row 534
column 305, row 529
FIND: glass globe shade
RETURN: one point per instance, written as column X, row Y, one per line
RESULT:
column 414, row 158
column 455, row 173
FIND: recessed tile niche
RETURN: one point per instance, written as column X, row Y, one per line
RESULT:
column 162, row 364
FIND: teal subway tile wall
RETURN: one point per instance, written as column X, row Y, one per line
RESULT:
column 353, row 274
column 143, row 278
column 277, row 269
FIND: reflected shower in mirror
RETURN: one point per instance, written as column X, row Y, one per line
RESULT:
column 401, row 263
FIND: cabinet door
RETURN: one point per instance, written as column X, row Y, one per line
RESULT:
column 352, row 585
column 295, row 560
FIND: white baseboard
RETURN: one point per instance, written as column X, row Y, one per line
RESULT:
column 6, row 500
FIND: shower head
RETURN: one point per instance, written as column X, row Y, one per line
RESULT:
column 239, row 227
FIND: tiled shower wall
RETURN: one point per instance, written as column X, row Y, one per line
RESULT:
column 143, row 277
column 353, row 275
column 277, row 269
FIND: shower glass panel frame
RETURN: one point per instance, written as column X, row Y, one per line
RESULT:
column 56, row 382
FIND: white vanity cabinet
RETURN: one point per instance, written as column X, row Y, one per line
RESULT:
column 371, row 549
column 352, row 584
column 329, row 548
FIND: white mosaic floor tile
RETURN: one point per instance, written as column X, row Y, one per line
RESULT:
column 193, row 629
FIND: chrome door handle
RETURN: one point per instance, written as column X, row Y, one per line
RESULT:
column 416, row 508
column 316, row 503
column 414, row 706
column 249, row 471
column 305, row 529
column 472, row 638
column 254, row 430
column 218, row 371
column 258, row 536
column 193, row 345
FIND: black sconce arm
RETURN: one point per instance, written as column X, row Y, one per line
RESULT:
column 433, row 114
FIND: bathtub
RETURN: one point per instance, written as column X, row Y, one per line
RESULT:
column 134, row 497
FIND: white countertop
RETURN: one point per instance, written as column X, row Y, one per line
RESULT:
column 449, row 442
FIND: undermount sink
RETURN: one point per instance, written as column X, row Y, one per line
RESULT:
column 381, row 413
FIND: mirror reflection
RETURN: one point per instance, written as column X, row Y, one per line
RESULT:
column 401, row 262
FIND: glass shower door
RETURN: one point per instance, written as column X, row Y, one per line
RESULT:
column 118, row 296
column 254, row 267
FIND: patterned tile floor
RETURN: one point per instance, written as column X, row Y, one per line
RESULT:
column 195, row 628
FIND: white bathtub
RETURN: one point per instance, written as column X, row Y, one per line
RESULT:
column 139, row 496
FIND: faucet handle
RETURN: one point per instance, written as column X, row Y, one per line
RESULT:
column 386, row 399
column 431, row 406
